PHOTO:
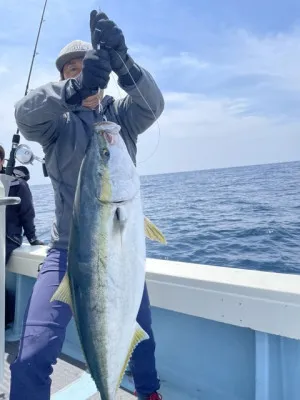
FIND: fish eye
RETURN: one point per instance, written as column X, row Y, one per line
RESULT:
column 105, row 152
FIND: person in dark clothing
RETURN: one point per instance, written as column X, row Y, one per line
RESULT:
column 19, row 219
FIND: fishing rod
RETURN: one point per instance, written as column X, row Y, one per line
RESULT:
column 16, row 137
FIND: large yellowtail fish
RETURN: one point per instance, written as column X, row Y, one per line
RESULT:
column 106, row 261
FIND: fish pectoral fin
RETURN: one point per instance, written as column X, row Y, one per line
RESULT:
column 152, row 232
column 138, row 337
column 121, row 215
column 63, row 292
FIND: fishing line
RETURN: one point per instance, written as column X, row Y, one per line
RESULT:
column 116, row 83
column 141, row 94
column 147, row 104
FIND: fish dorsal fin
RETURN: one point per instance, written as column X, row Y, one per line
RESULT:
column 152, row 232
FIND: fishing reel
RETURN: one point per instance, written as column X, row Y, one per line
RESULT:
column 25, row 155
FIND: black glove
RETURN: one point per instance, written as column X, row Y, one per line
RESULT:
column 36, row 242
column 96, row 69
column 108, row 35
column 95, row 73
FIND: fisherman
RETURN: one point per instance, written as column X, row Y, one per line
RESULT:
column 59, row 116
column 19, row 219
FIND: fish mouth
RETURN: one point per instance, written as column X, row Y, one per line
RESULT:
column 119, row 202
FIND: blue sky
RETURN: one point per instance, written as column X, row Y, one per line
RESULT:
column 229, row 71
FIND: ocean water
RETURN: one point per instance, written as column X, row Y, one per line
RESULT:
column 245, row 217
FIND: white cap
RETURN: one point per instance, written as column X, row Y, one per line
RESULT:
column 75, row 49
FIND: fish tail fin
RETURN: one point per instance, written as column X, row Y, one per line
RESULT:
column 63, row 292
column 138, row 337
column 152, row 232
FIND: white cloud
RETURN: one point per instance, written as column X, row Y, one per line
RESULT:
column 277, row 55
column 274, row 55
column 3, row 69
column 206, row 133
column 184, row 59
column 273, row 61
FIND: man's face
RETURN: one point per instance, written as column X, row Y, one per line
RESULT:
column 72, row 68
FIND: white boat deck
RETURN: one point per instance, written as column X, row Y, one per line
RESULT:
column 66, row 372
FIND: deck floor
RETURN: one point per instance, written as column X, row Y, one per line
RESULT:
column 66, row 371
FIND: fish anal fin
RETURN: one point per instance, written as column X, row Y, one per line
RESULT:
column 152, row 232
column 138, row 337
column 63, row 292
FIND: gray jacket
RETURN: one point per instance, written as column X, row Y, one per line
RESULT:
column 44, row 116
